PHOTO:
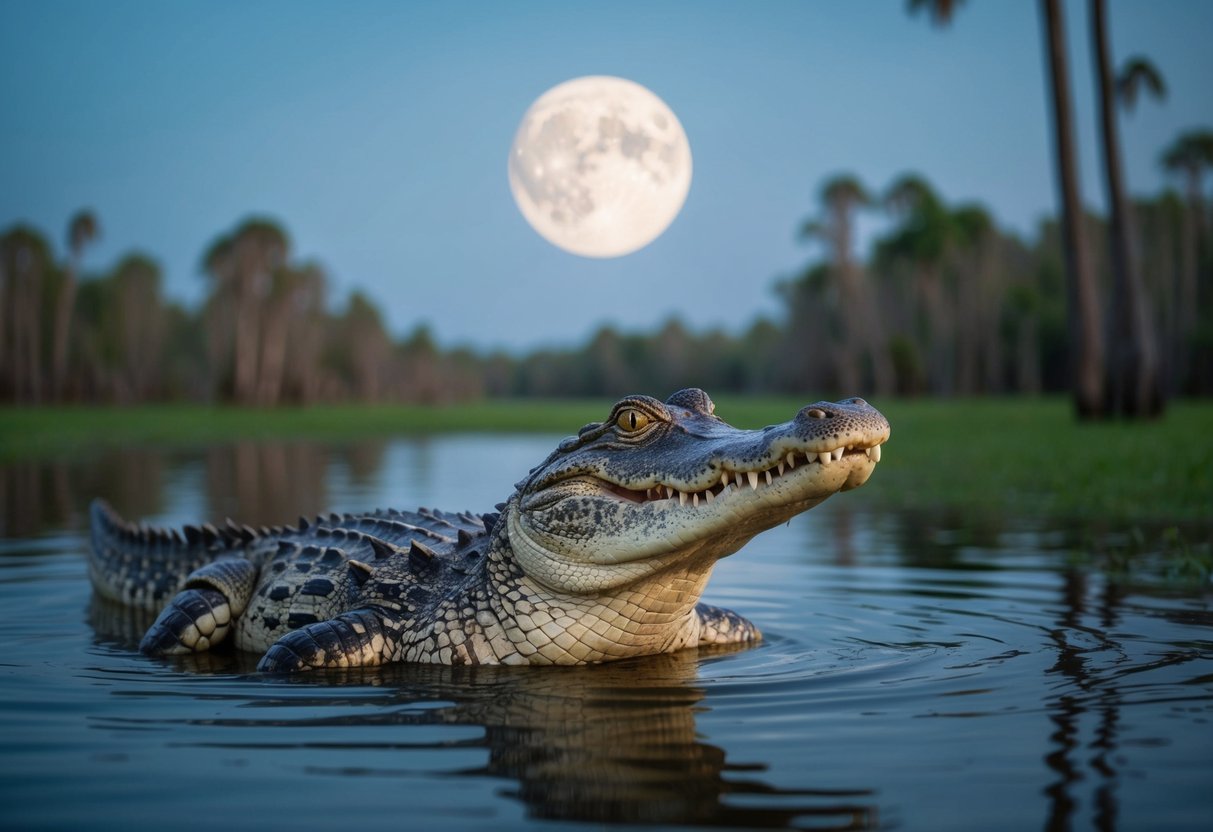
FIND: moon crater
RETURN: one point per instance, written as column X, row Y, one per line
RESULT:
column 600, row 166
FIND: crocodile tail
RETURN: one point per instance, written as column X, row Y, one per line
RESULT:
column 145, row 567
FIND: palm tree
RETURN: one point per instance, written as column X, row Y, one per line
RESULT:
column 259, row 248
column 941, row 11
column 219, row 312
column 137, row 328
column 81, row 231
column 243, row 266
column 1139, row 73
column 861, row 336
column 306, row 333
column 978, row 296
column 923, row 239
column 294, row 297
column 1082, row 302
column 1133, row 383
column 1190, row 156
column 25, row 260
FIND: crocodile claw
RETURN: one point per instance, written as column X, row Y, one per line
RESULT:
column 353, row 639
column 280, row 658
column 196, row 620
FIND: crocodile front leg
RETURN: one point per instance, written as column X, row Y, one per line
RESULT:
column 359, row 638
column 721, row 626
column 201, row 615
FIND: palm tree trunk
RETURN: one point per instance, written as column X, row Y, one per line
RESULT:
column 940, row 332
column 1193, row 231
column 273, row 351
column 847, row 277
column 1082, row 303
column 246, row 341
column 64, row 305
column 1133, row 384
column 990, row 332
column 6, row 305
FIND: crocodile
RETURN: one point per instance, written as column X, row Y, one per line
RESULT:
column 602, row 551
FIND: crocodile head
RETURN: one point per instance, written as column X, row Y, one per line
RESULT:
column 658, row 483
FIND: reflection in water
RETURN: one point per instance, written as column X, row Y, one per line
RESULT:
column 36, row 495
column 617, row 743
column 842, row 526
column 267, row 483
column 1086, row 709
column 365, row 460
column 613, row 743
column 1068, row 708
column 260, row 483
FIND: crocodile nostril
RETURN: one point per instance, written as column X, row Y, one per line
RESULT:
column 858, row 401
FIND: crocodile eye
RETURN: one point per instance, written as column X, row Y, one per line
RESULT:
column 632, row 419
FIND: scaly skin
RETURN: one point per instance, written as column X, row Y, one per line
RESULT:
column 601, row 553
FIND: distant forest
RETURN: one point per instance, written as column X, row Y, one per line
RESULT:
column 945, row 303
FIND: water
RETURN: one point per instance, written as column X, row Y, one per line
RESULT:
column 918, row 673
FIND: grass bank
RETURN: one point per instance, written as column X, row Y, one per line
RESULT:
column 1022, row 456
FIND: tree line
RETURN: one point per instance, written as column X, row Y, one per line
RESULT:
column 1117, row 310
column 946, row 302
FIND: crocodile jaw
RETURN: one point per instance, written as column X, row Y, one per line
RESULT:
column 584, row 535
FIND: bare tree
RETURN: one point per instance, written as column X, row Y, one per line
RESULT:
column 367, row 351
column 137, row 329
column 81, row 231
column 306, row 324
column 25, row 258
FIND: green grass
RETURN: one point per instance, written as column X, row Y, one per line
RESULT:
column 1020, row 457
column 26, row 432
column 1031, row 457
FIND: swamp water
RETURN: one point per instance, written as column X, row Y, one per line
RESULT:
column 917, row 673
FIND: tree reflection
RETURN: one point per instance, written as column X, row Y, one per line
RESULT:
column 1085, row 691
column 267, row 483
column 258, row 483
column 41, row 494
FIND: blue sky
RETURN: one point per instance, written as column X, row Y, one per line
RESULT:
column 377, row 133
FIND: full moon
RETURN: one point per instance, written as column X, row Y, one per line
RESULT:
column 600, row 166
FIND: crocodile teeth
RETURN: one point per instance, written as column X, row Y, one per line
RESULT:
column 682, row 498
column 695, row 499
column 669, row 492
column 752, row 476
column 724, row 479
column 768, row 475
column 837, row 453
column 874, row 453
column 791, row 459
column 708, row 495
column 824, row 457
column 781, row 467
column 738, row 476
